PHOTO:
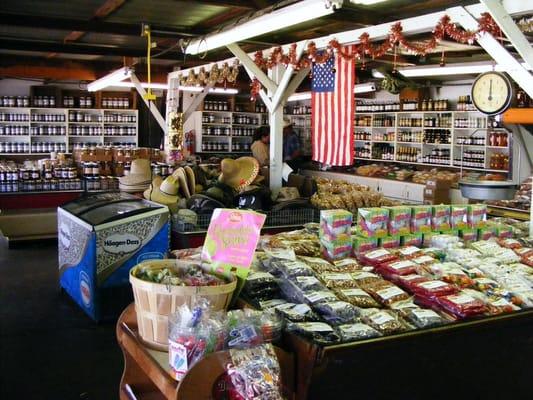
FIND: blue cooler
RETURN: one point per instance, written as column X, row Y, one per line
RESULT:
column 100, row 238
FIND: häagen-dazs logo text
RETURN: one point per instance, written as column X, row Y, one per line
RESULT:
column 121, row 243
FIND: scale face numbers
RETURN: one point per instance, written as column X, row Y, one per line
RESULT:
column 492, row 93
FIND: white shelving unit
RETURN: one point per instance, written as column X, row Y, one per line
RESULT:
column 61, row 129
column 475, row 118
column 226, row 131
column 302, row 126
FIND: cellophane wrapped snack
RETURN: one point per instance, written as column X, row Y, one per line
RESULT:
column 386, row 292
column 296, row 312
column 376, row 257
column 334, row 280
column 364, row 278
column 357, row 297
column 402, row 267
column 452, row 273
column 357, row 331
column 194, row 332
column 318, row 332
column 408, row 252
column 384, row 321
column 247, row 328
column 260, row 285
column 434, row 288
column 423, row 318
column 255, row 373
column 307, row 283
column 319, row 296
column 319, row 265
column 290, row 269
column 408, row 281
column 337, row 312
column 347, row 265
column 462, row 305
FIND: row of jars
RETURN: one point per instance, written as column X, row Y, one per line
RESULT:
column 75, row 116
column 377, row 106
column 29, row 174
column 470, row 141
column 14, row 130
column 216, row 106
column 223, row 146
column 115, row 102
column 14, row 147
column 47, row 130
column 48, row 117
column 100, row 183
column 48, row 147
column 120, row 131
column 82, row 102
column 129, row 118
column 245, row 120
column 44, row 101
column 470, row 122
column 298, row 110
column 212, row 119
column 14, row 101
column 410, row 136
column 41, row 185
column 14, row 117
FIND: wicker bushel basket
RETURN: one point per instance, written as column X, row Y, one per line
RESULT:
column 154, row 302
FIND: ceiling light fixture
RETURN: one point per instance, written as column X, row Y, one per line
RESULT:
column 366, row 2
column 164, row 86
column 146, row 85
column 359, row 88
column 273, row 21
column 112, row 78
column 449, row 69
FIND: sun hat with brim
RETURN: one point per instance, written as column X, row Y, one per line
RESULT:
column 191, row 180
column 163, row 191
column 133, row 188
column 180, row 175
column 140, row 173
column 239, row 173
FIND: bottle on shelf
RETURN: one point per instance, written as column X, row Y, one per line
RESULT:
column 408, row 154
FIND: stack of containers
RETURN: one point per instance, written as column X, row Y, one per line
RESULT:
column 335, row 234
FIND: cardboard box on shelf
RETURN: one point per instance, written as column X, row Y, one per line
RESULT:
column 436, row 196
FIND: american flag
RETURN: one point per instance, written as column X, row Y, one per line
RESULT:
column 332, row 110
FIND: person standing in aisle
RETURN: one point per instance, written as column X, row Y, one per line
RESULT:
column 260, row 146
column 291, row 146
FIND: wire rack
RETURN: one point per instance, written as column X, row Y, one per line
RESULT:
column 274, row 219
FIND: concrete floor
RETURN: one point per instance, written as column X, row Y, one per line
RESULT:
column 49, row 349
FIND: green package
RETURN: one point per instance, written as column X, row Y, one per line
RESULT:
column 440, row 218
column 399, row 220
column 413, row 239
column 420, row 219
column 363, row 244
column 390, row 242
column 486, row 233
column 468, row 235
column 459, row 216
column 372, row 222
column 477, row 216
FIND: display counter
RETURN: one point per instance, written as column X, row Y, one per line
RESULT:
column 394, row 189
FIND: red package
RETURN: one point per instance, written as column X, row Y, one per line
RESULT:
column 376, row 257
column 462, row 305
column 509, row 243
column 408, row 281
column 408, row 252
column 527, row 255
column 434, row 288
column 399, row 267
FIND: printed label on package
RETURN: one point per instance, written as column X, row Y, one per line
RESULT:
column 177, row 355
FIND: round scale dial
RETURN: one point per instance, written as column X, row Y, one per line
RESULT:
column 492, row 93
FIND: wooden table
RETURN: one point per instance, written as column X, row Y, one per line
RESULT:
column 146, row 373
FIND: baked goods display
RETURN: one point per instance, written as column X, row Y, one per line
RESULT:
column 522, row 197
column 383, row 292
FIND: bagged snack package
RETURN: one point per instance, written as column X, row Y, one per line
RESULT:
column 389, row 242
column 468, row 235
column 319, row 265
column 400, row 267
column 291, row 269
column 445, row 241
column 477, row 215
column 347, row 265
column 503, row 230
column 434, row 288
column 337, row 312
column 399, row 220
column 486, row 233
column 248, row 328
column 408, row 281
column 362, row 244
column 260, row 285
column 335, row 222
column 372, row 222
column 510, row 243
column 357, row 297
column 318, row 332
column 254, row 373
column 440, row 218
column 319, row 296
column 336, row 280
column 462, row 305
column 451, row 272
column 307, row 283
column 272, row 303
column 408, row 252
column 194, row 332
column 424, row 260
column 357, row 331
column 363, row 278
column 500, row 305
column 413, row 239
column 296, row 312
column 376, row 257
column 423, row 318
column 386, row 292
column 459, row 255
column 420, row 219
column 384, row 321
column 459, row 216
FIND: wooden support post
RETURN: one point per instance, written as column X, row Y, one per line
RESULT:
column 251, row 67
column 276, row 134
column 276, row 99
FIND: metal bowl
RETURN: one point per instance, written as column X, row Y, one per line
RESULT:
column 488, row 190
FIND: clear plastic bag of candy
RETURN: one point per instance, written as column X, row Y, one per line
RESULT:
column 485, row 284
column 337, row 312
column 501, row 305
column 462, row 305
column 318, row 332
column 364, row 278
column 271, row 303
column 434, row 288
column 376, row 257
column 319, row 265
column 194, row 332
column 335, row 280
column 260, row 285
column 459, row 255
column 423, row 318
column 403, row 267
column 386, row 292
column 408, row 281
column 402, row 306
column 408, row 252
column 357, row 331
column 509, row 243
column 424, row 260
column 296, row 312
column 255, row 374
column 291, row 269
column 357, row 297
column 452, row 273
column 319, row 296
column 307, row 283
column 387, row 322
column 347, row 265
column 247, row 328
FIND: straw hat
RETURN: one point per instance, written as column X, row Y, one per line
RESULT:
column 239, row 173
column 140, row 174
column 163, row 191
column 191, row 180
column 181, row 177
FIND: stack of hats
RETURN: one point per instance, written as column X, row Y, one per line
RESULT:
column 139, row 177
column 169, row 191
column 335, row 233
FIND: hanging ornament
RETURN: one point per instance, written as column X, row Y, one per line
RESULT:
column 442, row 62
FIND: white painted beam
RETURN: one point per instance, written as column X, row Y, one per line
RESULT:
column 511, row 30
column 150, row 104
column 276, row 134
column 196, row 101
column 494, row 48
column 251, row 67
column 294, row 84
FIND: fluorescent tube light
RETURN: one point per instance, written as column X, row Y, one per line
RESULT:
column 153, row 85
column 164, row 86
column 366, row 2
column 114, row 77
column 294, row 14
column 359, row 88
column 449, row 69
